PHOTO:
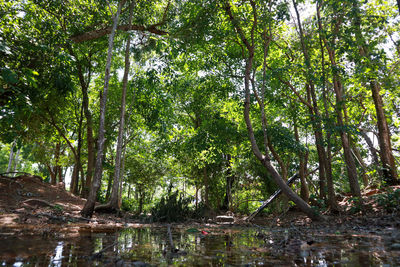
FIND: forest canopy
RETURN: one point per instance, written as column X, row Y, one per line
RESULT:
column 202, row 105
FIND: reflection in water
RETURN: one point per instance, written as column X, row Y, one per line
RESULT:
column 220, row 247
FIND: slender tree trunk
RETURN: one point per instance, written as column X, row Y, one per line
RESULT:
column 109, row 185
column 90, row 144
column 88, row 209
column 314, row 111
column 113, row 203
column 387, row 159
column 121, row 179
column 328, row 170
column 16, row 161
column 60, row 176
column 340, row 106
column 85, row 183
column 303, row 158
column 205, row 181
column 360, row 160
column 373, row 152
column 11, row 158
column 54, row 170
column 78, row 164
column 229, row 183
column 348, row 157
column 197, row 197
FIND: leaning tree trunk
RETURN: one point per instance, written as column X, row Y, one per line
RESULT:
column 88, row 209
column 113, row 204
column 264, row 159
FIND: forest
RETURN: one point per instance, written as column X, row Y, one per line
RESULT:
column 171, row 110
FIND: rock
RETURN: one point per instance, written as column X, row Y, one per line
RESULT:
column 395, row 246
column 225, row 219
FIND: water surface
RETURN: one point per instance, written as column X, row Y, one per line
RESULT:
column 201, row 246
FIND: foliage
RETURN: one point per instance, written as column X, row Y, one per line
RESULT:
column 390, row 200
column 173, row 207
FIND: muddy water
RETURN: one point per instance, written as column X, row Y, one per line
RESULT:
column 202, row 246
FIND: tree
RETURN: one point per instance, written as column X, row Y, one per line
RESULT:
column 87, row 210
column 250, row 45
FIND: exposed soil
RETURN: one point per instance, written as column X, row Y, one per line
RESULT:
column 26, row 202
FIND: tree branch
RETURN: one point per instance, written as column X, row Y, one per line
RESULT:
column 95, row 34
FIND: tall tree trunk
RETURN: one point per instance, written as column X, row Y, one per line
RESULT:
column 348, row 157
column 387, row 160
column 340, row 106
column 90, row 144
column 86, row 183
column 88, row 209
column 314, row 111
column 388, row 163
column 113, row 203
column 78, row 164
column 328, row 170
column 11, row 158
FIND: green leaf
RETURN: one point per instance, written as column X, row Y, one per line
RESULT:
column 9, row 76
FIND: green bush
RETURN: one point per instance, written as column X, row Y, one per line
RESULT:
column 173, row 207
column 390, row 200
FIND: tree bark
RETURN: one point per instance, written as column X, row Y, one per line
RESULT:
column 205, row 181
column 387, row 160
column 11, row 158
column 88, row 209
column 226, row 205
column 340, row 106
column 314, row 111
column 303, row 158
column 114, row 203
column 16, row 160
column 78, row 165
column 86, row 183
column 388, row 163
column 95, row 34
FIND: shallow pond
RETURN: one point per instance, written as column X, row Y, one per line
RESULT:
column 201, row 246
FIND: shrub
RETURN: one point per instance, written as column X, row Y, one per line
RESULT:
column 390, row 200
column 172, row 208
